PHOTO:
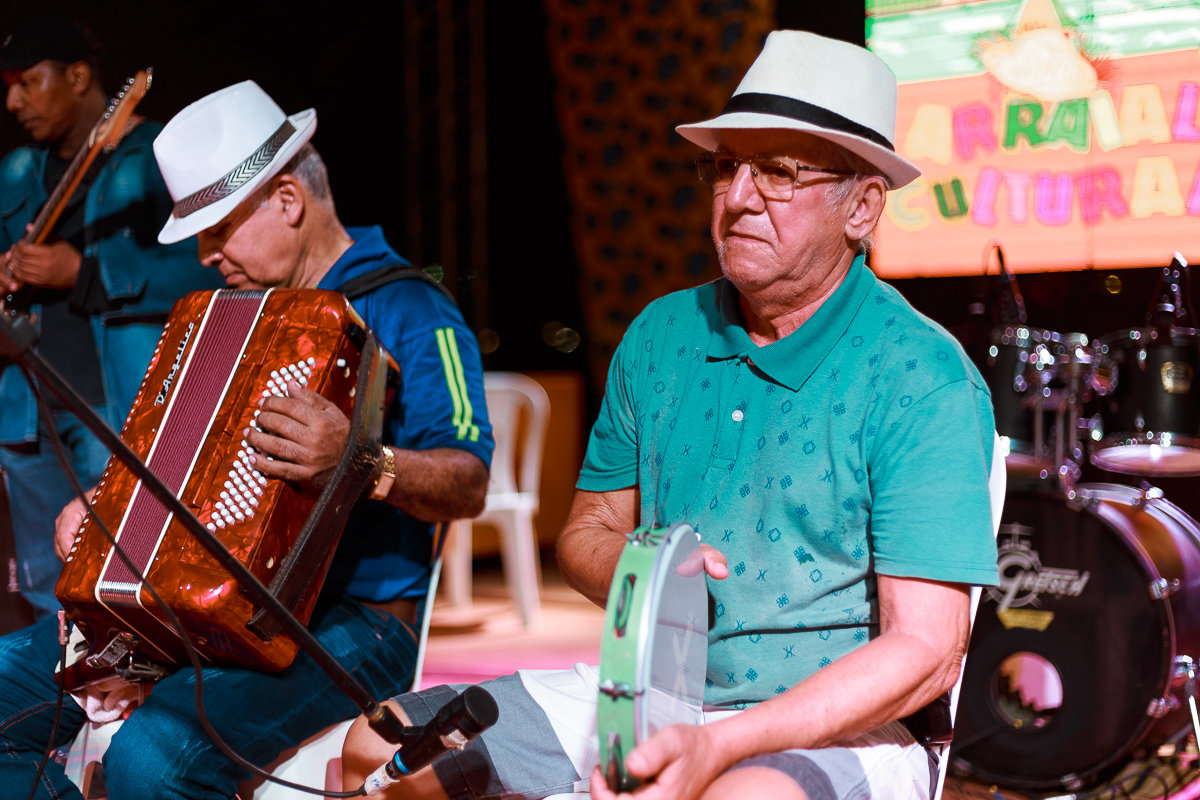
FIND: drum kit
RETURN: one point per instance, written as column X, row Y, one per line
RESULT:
column 1086, row 653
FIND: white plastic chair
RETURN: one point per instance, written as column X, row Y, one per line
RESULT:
column 317, row 761
column 512, row 500
column 997, row 483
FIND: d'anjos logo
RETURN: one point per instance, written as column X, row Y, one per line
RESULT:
column 1023, row 578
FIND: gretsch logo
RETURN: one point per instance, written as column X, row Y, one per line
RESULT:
column 166, row 384
column 1022, row 576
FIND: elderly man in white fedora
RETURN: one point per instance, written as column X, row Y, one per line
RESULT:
column 246, row 180
column 831, row 445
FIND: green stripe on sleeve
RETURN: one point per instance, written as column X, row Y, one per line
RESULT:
column 448, row 367
column 466, row 427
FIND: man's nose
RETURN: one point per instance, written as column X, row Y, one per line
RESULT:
column 742, row 194
column 13, row 101
column 210, row 255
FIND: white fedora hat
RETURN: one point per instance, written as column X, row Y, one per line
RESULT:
column 220, row 149
column 832, row 89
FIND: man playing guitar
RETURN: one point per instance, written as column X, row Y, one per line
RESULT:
column 99, row 290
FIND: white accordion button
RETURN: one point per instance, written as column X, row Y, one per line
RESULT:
column 312, row 362
column 211, row 527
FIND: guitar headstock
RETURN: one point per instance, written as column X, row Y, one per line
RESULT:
column 121, row 108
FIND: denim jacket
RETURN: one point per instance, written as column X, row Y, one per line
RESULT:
column 126, row 207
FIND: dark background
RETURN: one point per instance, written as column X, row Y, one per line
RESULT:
column 348, row 60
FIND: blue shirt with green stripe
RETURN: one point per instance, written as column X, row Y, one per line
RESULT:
column 859, row 445
column 384, row 553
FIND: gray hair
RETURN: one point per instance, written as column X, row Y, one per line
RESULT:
column 837, row 193
column 309, row 169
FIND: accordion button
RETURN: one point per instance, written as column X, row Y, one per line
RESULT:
column 249, row 513
column 312, row 362
column 265, row 394
column 220, row 505
column 240, row 516
column 211, row 527
column 229, row 485
column 274, row 373
column 220, row 522
column 258, row 491
column 341, row 362
column 304, row 381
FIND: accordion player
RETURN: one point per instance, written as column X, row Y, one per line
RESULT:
column 220, row 353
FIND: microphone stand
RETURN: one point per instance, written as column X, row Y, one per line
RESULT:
column 17, row 339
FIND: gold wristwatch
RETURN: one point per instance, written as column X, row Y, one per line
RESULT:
column 383, row 483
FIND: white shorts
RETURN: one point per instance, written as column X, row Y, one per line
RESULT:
column 545, row 743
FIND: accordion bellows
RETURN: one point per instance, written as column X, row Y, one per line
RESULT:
column 220, row 353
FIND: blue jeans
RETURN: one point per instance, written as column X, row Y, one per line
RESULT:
column 161, row 752
column 37, row 492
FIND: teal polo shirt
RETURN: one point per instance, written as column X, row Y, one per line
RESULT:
column 858, row 445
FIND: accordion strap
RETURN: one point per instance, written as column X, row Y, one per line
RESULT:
column 305, row 564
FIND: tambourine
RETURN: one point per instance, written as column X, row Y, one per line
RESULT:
column 655, row 649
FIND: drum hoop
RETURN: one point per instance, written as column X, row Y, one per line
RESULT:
column 648, row 560
column 1118, row 494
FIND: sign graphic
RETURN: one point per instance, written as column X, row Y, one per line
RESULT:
column 1067, row 129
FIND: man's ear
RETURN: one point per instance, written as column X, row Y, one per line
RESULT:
column 79, row 76
column 291, row 196
column 866, row 207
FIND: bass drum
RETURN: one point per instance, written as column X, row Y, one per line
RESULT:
column 1071, row 665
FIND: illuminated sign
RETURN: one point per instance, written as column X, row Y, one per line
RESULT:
column 1067, row 129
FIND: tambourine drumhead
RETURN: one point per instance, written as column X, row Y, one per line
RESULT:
column 654, row 652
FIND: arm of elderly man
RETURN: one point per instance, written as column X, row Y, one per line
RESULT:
column 923, row 634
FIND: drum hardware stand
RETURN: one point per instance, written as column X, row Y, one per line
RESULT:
column 17, row 339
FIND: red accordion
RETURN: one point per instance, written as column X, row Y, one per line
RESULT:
column 219, row 354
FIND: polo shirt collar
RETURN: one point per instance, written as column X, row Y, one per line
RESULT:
column 791, row 360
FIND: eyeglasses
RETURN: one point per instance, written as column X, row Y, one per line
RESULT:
column 775, row 176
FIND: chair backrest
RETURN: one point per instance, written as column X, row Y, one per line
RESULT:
column 507, row 393
column 997, row 483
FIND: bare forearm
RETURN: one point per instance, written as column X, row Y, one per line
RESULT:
column 588, row 558
column 889, row 678
column 590, row 545
column 439, row 485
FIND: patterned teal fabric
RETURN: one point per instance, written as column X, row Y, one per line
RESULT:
column 861, row 443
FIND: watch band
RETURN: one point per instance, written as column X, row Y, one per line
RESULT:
column 387, row 477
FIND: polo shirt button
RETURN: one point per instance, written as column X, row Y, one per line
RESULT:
column 738, row 415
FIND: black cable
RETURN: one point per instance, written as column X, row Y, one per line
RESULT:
column 62, row 660
column 229, row 752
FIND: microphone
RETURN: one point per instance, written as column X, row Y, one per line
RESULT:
column 454, row 726
column 1012, row 309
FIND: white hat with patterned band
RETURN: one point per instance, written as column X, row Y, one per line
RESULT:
column 220, row 149
column 832, row 89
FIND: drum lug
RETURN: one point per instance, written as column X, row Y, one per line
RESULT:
column 617, row 691
column 1162, row 706
column 1183, row 664
column 1161, row 588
